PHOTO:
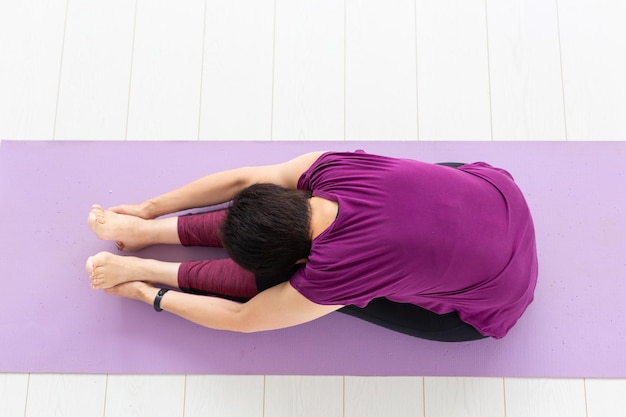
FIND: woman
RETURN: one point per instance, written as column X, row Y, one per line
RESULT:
column 428, row 250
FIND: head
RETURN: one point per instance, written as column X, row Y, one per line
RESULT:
column 267, row 229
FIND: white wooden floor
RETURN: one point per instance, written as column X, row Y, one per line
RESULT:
column 311, row 70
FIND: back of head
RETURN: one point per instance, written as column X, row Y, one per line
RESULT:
column 266, row 230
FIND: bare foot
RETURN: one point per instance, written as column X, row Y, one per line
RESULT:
column 129, row 232
column 107, row 270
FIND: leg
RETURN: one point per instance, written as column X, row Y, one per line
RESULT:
column 201, row 229
column 415, row 321
column 224, row 278
column 221, row 277
column 132, row 233
column 107, row 270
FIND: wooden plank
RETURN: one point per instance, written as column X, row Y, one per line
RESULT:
column 381, row 95
column 390, row 396
column 13, row 390
column 525, row 70
column 593, row 51
column 303, row 396
column 545, row 397
column 66, row 395
column 605, row 397
column 452, row 70
column 145, row 395
column 166, row 72
column 309, row 70
column 224, row 396
column 95, row 76
column 31, row 43
column 237, row 70
column 480, row 397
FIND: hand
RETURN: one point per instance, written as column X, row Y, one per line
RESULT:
column 137, row 210
column 134, row 290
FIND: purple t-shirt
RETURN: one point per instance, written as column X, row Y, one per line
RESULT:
column 441, row 238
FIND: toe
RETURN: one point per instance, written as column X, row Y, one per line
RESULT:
column 89, row 266
column 97, row 212
column 94, row 219
column 91, row 219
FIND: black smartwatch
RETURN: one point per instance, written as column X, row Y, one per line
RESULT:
column 157, row 299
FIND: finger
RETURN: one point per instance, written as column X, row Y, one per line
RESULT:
column 119, row 209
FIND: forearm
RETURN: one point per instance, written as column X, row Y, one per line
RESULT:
column 276, row 308
column 207, row 191
column 222, row 186
column 211, row 312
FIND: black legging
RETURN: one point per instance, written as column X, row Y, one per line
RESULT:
column 415, row 321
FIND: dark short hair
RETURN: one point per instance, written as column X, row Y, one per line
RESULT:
column 267, row 229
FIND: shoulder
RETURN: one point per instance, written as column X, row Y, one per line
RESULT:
column 285, row 174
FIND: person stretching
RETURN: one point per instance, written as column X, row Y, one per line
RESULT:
column 444, row 252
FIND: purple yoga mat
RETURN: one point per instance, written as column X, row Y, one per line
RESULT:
column 51, row 321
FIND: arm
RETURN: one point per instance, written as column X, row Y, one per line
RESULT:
column 221, row 187
column 278, row 307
